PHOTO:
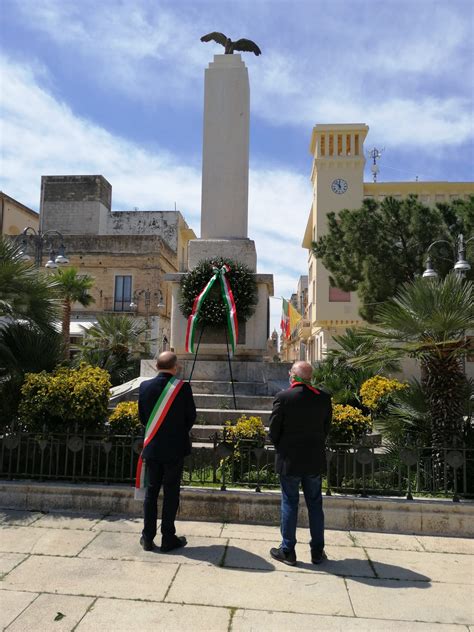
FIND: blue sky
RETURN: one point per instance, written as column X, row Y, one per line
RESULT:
column 116, row 87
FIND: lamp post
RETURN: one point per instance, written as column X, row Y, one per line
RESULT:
column 41, row 241
column 461, row 267
column 147, row 295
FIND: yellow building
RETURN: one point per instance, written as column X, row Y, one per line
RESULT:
column 338, row 183
column 126, row 252
column 15, row 216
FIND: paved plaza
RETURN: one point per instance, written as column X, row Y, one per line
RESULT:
column 66, row 571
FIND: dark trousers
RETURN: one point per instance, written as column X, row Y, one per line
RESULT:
column 290, row 495
column 167, row 475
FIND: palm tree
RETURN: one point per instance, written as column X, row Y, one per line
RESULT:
column 427, row 320
column 25, row 293
column 115, row 343
column 72, row 288
column 24, row 348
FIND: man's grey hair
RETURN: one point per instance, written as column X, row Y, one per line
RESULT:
column 302, row 369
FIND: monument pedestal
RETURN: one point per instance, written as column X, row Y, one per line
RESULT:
column 253, row 335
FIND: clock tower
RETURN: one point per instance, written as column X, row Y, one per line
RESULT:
column 338, row 182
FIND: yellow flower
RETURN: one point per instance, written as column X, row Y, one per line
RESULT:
column 375, row 389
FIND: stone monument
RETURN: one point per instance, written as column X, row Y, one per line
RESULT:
column 224, row 207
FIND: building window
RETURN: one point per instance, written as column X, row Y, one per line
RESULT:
column 338, row 296
column 331, row 144
column 123, row 293
column 322, row 142
column 348, row 144
column 356, row 144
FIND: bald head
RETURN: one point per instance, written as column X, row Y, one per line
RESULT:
column 167, row 361
column 302, row 369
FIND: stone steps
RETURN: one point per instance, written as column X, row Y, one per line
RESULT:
column 244, row 402
column 218, row 416
column 217, row 387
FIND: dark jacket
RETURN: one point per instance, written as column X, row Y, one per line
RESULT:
column 299, row 425
column 172, row 441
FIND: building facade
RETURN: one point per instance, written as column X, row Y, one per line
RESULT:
column 15, row 216
column 126, row 252
column 338, row 183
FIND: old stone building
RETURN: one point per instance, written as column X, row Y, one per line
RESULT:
column 126, row 252
column 15, row 216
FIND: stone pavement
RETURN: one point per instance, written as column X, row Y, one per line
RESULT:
column 65, row 571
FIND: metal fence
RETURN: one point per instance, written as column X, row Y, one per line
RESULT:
column 357, row 469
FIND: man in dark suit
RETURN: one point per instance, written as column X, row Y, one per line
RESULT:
column 299, row 425
column 164, row 455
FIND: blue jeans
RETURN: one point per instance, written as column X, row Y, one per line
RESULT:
column 290, row 494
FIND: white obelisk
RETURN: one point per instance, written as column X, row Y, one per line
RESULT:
column 225, row 164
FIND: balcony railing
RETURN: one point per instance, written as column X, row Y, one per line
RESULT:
column 352, row 469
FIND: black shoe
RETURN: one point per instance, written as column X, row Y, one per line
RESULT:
column 174, row 543
column 148, row 545
column 287, row 557
column 318, row 557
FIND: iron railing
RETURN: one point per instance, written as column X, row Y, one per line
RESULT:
column 358, row 469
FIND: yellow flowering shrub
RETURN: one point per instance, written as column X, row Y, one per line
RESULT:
column 124, row 419
column 375, row 390
column 247, row 428
column 349, row 424
column 64, row 398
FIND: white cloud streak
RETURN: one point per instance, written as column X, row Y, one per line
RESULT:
column 374, row 68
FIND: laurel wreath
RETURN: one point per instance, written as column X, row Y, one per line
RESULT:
column 213, row 312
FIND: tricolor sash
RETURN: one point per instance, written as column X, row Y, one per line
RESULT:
column 157, row 417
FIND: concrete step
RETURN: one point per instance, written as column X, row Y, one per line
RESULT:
column 244, row 402
column 212, row 387
column 203, row 432
column 218, row 416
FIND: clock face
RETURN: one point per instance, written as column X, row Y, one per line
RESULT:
column 339, row 186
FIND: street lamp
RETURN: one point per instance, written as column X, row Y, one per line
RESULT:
column 461, row 267
column 147, row 294
column 44, row 240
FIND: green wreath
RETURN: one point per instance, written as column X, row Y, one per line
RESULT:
column 213, row 312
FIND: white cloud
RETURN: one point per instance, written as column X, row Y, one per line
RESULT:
column 43, row 136
column 379, row 67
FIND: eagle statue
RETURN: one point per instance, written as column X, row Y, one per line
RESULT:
column 230, row 46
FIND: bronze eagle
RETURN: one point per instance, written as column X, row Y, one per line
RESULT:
column 230, row 46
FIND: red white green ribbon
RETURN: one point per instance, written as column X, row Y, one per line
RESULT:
column 157, row 417
column 228, row 298
column 296, row 381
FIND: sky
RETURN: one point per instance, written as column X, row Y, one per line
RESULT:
column 115, row 87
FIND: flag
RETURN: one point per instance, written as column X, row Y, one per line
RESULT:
column 294, row 318
column 290, row 317
column 285, row 318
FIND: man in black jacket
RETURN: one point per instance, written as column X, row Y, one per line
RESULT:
column 299, row 425
column 164, row 455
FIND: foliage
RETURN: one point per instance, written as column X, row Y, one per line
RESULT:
column 24, row 348
column 72, row 288
column 64, row 398
column 341, row 380
column 406, row 420
column 248, row 429
column 339, row 372
column 213, row 312
column 25, row 293
column 375, row 249
column 375, row 391
column 124, row 420
column 115, row 343
column 348, row 425
column 427, row 320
